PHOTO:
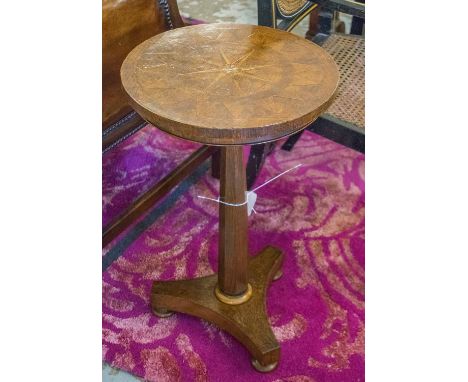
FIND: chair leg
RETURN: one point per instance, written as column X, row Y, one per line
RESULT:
column 313, row 23
column 357, row 23
column 257, row 156
column 357, row 26
column 289, row 144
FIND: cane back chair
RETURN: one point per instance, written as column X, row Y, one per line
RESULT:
column 344, row 120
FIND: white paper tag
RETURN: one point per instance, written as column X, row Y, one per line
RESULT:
column 251, row 199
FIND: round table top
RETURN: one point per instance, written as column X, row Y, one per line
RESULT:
column 227, row 84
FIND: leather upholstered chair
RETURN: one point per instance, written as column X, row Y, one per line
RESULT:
column 125, row 24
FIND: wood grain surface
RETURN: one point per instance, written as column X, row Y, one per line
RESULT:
column 229, row 83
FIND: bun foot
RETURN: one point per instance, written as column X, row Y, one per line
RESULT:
column 278, row 275
column 162, row 313
column 264, row 369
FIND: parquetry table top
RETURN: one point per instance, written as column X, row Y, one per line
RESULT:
column 229, row 83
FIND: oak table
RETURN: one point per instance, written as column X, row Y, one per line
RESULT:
column 229, row 85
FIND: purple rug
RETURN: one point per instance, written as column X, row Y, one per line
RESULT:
column 315, row 214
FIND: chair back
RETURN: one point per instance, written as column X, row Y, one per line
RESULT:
column 125, row 24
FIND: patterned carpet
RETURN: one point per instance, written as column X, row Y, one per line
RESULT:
column 315, row 214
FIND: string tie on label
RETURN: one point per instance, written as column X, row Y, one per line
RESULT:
column 250, row 196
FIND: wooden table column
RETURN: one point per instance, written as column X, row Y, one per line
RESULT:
column 233, row 241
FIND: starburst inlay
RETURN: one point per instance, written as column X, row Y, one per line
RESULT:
column 233, row 68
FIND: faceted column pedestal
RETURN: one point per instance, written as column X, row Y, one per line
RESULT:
column 235, row 298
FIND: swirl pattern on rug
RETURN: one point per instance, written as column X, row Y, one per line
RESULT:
column 315, row 214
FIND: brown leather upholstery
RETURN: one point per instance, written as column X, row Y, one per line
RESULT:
column 125, row 24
